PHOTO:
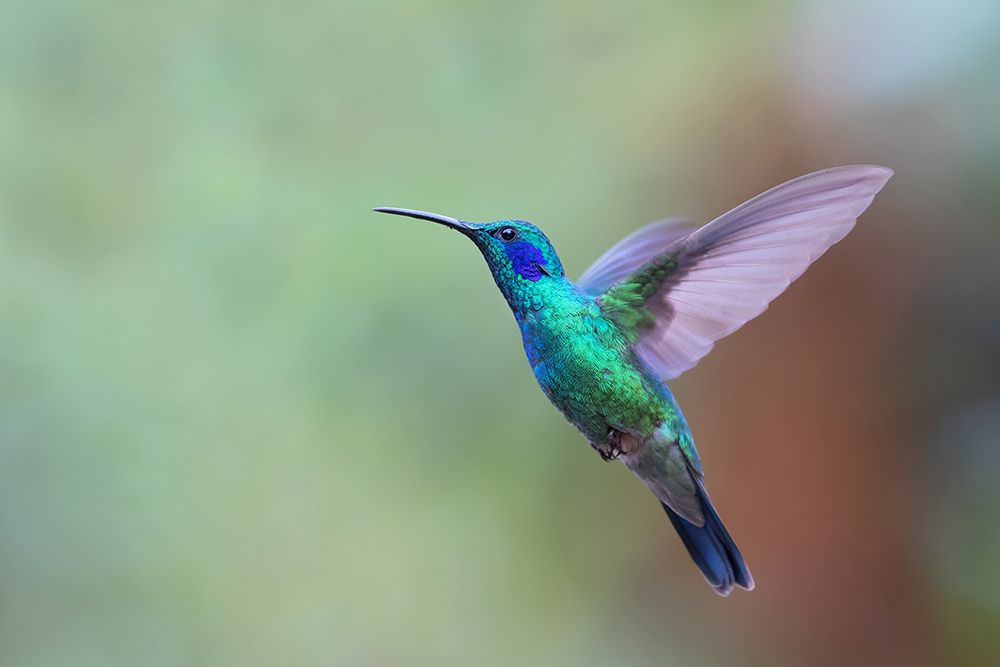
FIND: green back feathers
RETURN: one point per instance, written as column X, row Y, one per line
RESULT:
column 626, row 302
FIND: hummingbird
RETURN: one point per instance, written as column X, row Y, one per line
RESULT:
column 603, row 348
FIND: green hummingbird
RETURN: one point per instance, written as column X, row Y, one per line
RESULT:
column 649, row 309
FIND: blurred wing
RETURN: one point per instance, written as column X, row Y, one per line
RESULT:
column 630, row 253
column 711, row 282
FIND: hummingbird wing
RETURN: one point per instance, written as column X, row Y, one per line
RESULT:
column 622, row 258
column 676, row 303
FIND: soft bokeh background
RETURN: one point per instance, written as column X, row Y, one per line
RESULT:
column 244, row 421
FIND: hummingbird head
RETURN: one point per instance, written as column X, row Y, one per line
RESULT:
column 519, row 255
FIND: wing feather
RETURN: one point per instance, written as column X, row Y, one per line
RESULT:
column 631, row 252
column 726, row 273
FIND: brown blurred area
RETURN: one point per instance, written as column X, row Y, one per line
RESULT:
column 842, row 512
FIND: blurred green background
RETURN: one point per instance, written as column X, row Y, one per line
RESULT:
column 244, row 421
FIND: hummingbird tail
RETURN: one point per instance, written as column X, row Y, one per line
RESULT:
column 712, row 549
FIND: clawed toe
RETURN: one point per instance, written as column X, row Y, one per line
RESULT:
column 610, row 448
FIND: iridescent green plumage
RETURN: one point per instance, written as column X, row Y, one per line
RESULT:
column 648, row 310
column 626, row 302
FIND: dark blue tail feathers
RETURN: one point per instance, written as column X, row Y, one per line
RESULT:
column 712, row 549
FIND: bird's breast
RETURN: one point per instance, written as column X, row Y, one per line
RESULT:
column 585, row 367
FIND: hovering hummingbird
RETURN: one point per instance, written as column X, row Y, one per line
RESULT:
column 649, row 309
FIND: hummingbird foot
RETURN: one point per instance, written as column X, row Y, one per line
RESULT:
column 610, row 449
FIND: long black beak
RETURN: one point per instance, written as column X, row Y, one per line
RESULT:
column 462, row 226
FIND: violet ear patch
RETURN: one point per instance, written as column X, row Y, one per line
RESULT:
column 526, row 259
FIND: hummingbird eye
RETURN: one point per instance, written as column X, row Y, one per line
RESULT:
column 506, row 234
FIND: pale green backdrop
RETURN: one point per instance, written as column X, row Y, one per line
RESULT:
column 244, row 421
